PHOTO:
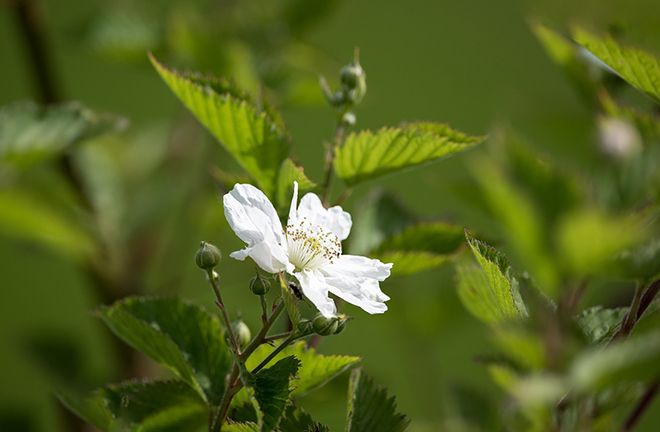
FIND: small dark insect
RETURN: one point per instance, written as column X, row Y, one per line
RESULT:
column 296, row 290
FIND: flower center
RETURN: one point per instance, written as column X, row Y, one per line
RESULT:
column 311, row 246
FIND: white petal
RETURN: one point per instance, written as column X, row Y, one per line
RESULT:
column 254, row 220
column 355, row 279
column 269, row 256
column 293, row 212
column 251, row 215
column 359, row 266
column 334, row 219
column 315, row 289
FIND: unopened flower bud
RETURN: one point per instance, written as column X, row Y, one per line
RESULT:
column 324, row 326
column 341, row 323
column 619, row 138
column 259, row 285
column 208, row 256
column 242, row 332
column 348, row 118
column 305, row 327
column 351, row 75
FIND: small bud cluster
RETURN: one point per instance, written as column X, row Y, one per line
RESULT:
column 353, row 81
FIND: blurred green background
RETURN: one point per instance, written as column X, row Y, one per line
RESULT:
column 472, row 64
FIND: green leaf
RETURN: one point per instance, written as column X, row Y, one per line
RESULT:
column 193, row 418
column 521, row 221
column 30, row 134
column 251, row 136
column 642, row 261
column 370, row 408
column 639, row 68
column 272, row 388
column 26, row 217
column 380, row 216
column 599, row 323
column 626, row 361
column 90, row 408
column 240, row 427
column 137, row 402
column 290, row 303
column 296, row 419
column 420, row 247
column 315, row 369
column 411, row 262
column 290, row 172
column 181, row 336
column 368, row 154
column 588, row 240
column 566, row 54
column 489, row 291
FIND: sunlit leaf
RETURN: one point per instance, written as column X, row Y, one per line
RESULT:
column 315, row 369
column 30, row 134
column 290, row 172
column 588, row 240
column 489, row 291
column 639, row 68
column 251, row 136
column 368, row 154
column 370, row 408
column 183, row 337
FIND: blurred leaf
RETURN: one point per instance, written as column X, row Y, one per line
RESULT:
column 380, row 216
column 91, row 408
column 420, row 247
column 411, row 262
column 29, row 218
column 565, row 53
column 253, row 137
column 370, row 408
column 522, row 223
column 539, row 389
column 365, row 155
column 315, row 369
column 272, row 388
column 290, row 172
column 522, row 345
column 642, row 261
column 153, row 402
column 588, row 240
column 30, row 134
column 630, row 360
column 599, row 323
column 639, row 68
column 124, row 34
column 489, row 292
column 183, row 337
column 191, row 418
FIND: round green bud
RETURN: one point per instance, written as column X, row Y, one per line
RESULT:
column 259, row 285
column 208, row 256
column 305, row 327
column 341, row 324
column 350, row 75
column 242, row 332
column 324, row 326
